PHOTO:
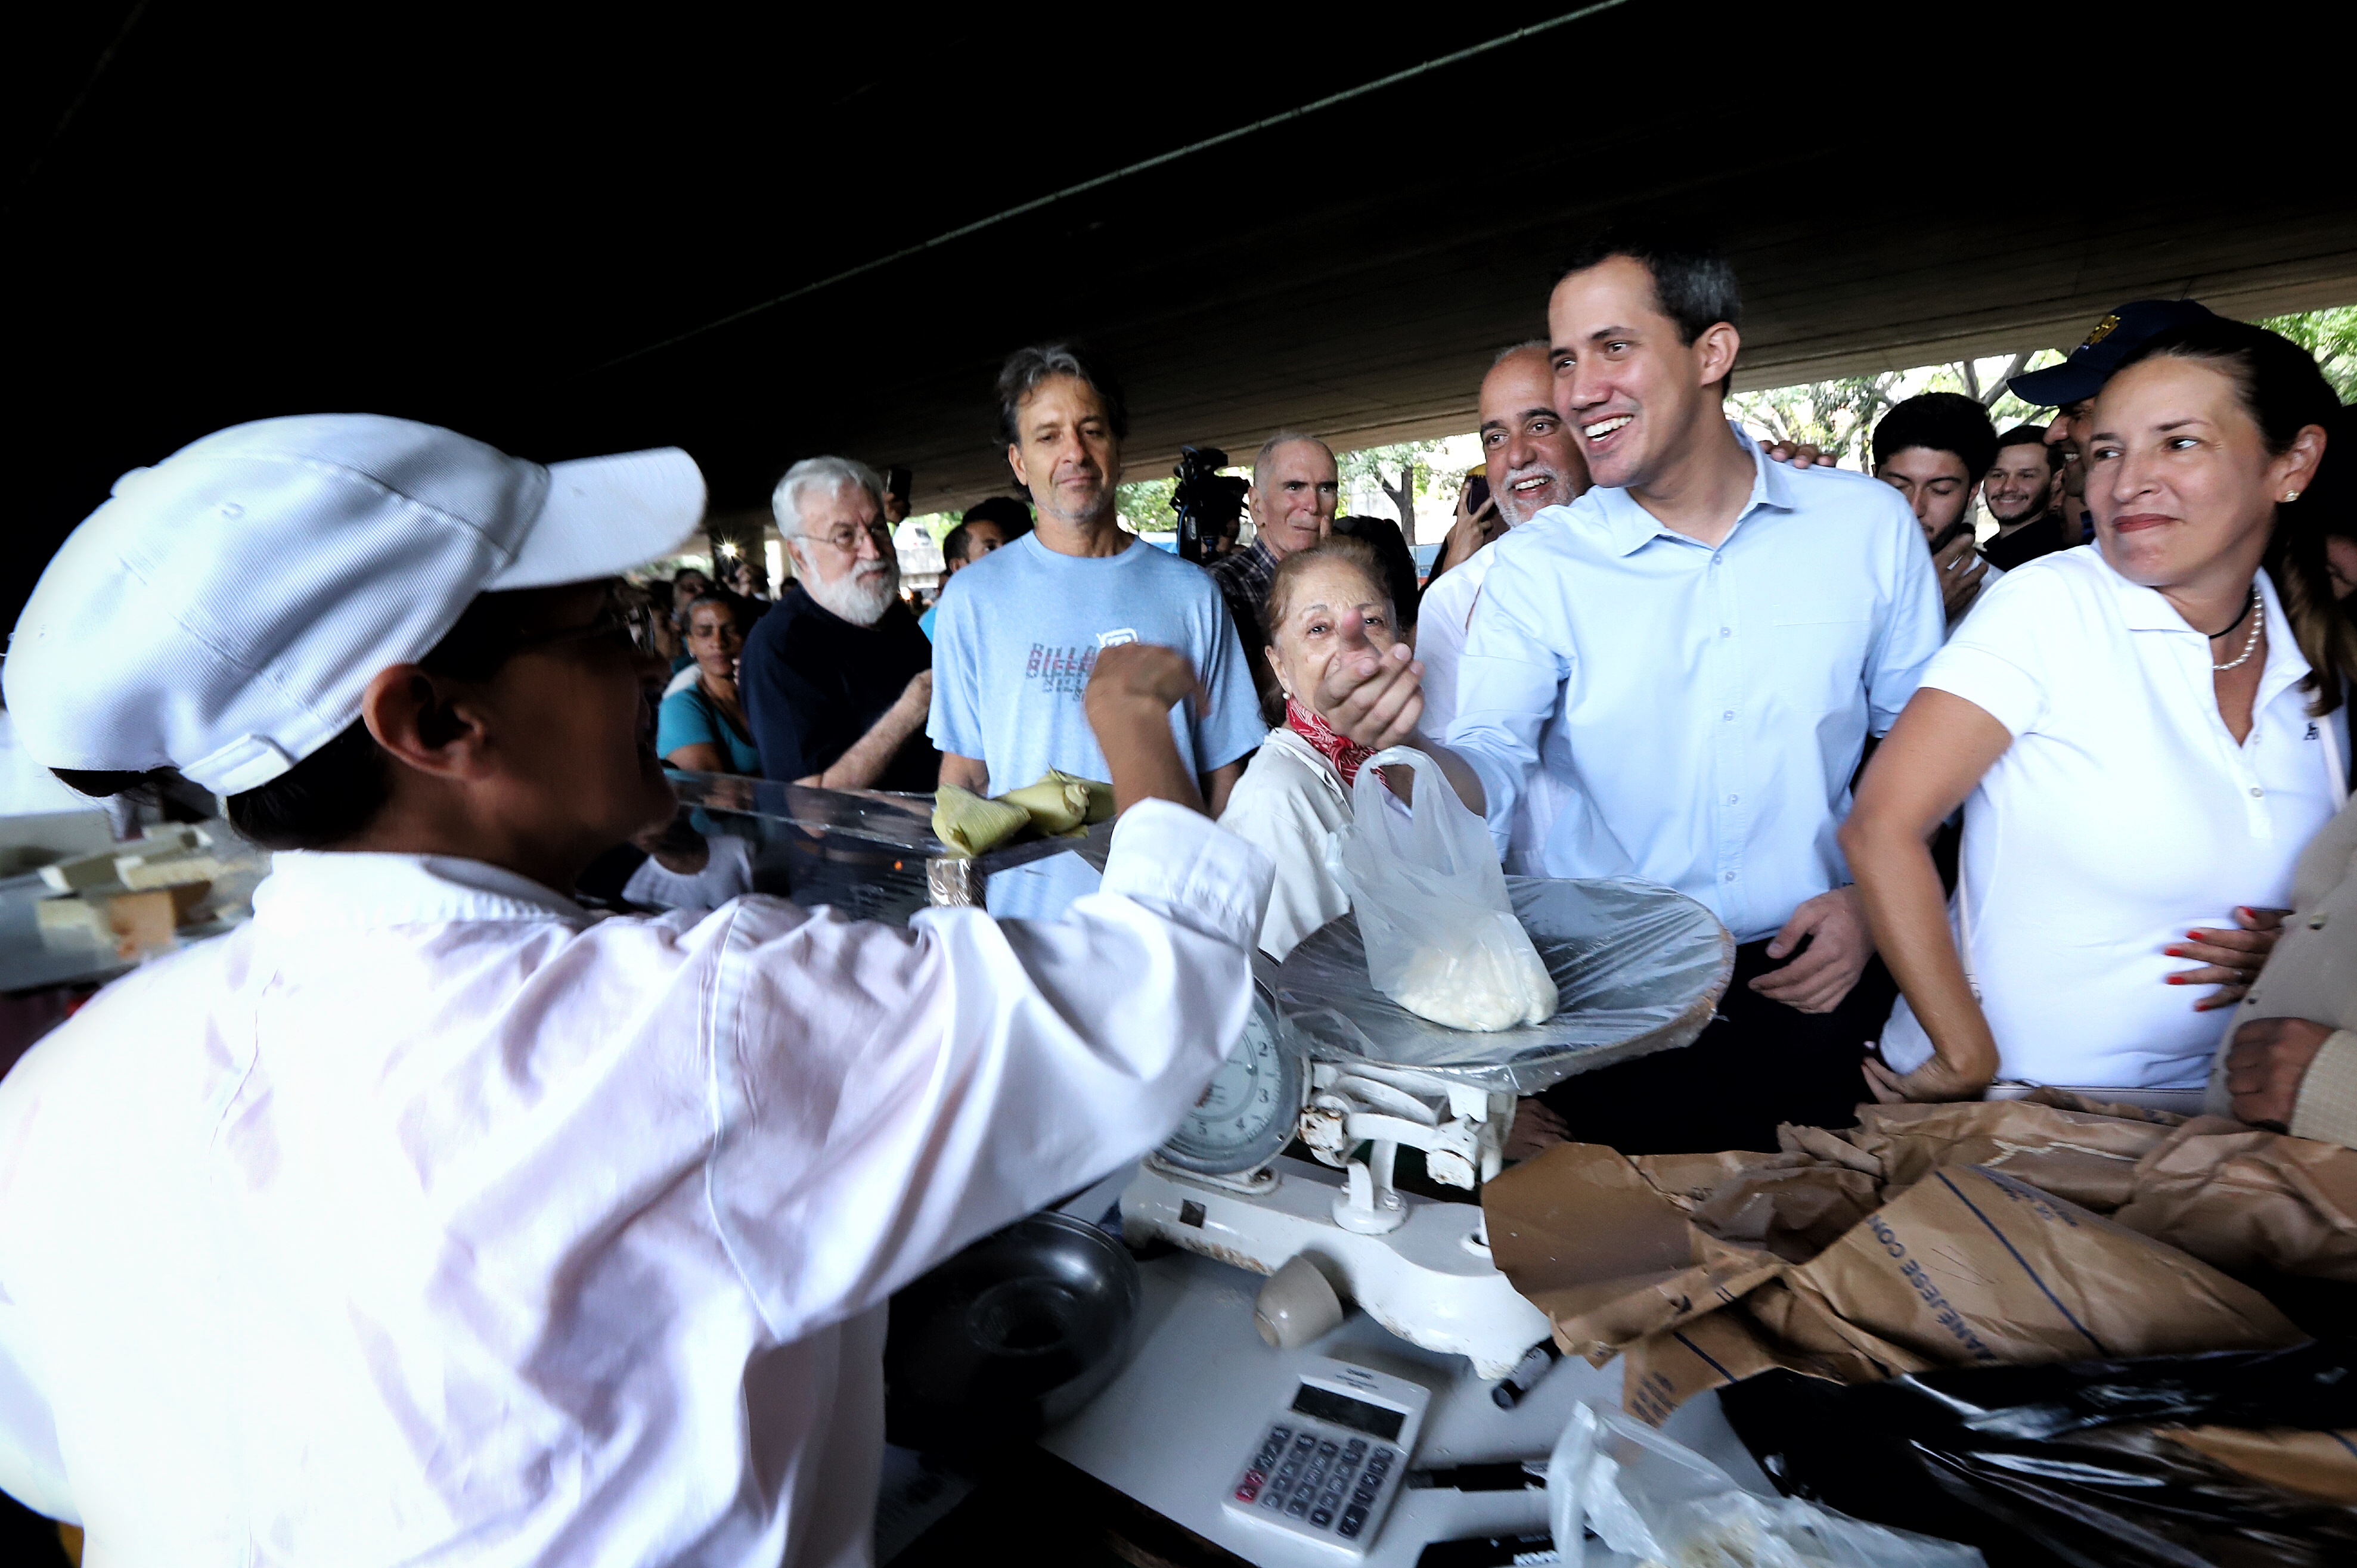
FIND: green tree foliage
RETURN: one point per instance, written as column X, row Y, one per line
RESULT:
column 2331, row 337
column 1383, row 466
column 1839, row 416
column 1146, row 505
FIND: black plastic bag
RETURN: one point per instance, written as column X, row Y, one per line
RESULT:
column 2058, row 1464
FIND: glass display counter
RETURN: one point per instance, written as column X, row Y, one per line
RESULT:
column 868, row 852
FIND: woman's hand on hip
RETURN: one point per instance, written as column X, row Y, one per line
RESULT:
column 2230, row 960
column 1938, row 1079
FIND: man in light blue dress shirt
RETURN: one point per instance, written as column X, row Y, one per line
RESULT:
column 1715, row 635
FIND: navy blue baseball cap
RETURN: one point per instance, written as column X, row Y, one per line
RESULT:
column 2091, row 364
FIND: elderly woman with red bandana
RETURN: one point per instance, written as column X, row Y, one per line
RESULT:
column 1328, row 603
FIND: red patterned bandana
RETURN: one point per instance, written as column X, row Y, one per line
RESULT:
column 1346, row 755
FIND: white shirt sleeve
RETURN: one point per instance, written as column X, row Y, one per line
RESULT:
column 1512, row 662
column 1440, row 628
column 1992, row 660
column 884, row 1098
column 31, row 1469
column 1910, row 633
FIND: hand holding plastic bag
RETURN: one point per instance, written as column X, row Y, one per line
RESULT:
column 1441, row 939
column 1660, row 1503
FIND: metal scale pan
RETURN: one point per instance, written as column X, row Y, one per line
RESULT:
column 1638, row 967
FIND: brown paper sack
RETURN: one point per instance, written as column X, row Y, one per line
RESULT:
column 1972, row 1267
column 2241, row 1199
column 2087, row 1157
column 2320, row 1464
column 1610, row 1257
column 2234, row 1196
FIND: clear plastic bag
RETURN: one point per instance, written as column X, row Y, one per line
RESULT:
column 1430, row 901
column 1656, row 1502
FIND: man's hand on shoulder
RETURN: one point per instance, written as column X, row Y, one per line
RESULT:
column 1800, row 453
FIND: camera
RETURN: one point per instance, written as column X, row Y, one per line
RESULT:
column 1208, row 501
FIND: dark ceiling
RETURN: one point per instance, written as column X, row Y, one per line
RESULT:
column 488, row 224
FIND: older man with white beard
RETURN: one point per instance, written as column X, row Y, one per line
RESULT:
column 838, row 678
column 1534, row 463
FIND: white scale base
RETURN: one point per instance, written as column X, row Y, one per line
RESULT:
column 1430, row 1280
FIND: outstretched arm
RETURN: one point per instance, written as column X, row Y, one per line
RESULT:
column 1377, row 699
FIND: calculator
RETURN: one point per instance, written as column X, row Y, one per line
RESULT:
column 1326, row 1466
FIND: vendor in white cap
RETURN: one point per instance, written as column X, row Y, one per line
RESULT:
column 428, row 1216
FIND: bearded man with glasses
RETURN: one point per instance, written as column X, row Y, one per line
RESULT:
column 837, row 679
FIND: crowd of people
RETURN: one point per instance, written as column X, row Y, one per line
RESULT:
column 1684, row 673
column 464, row 1187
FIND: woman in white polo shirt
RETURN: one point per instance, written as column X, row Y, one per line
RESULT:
column 2140, row 785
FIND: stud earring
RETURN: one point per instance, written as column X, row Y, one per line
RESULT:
column 2290, row 496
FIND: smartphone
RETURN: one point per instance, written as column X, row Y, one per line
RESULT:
column 1477, row 496
column 897, row 481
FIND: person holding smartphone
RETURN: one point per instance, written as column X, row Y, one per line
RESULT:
column 1934, row 450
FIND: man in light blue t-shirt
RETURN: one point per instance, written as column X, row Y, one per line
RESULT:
column 1019, row 630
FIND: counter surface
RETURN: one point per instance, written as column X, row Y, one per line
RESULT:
column 1170, row 1429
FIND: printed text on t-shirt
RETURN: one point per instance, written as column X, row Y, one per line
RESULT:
column 1061, row 669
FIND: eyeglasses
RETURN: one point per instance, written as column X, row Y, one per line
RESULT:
column 847, row 539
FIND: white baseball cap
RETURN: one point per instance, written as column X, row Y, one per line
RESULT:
column 224, row 611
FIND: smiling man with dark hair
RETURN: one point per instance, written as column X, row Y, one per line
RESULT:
column 1705, row 640
column 2023, row 492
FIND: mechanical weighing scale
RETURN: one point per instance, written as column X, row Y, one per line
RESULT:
column 1324, row 1056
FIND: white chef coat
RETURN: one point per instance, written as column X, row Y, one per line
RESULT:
column 727, row 873
column 2123, row 816
column 1441, row 623
column 429, row 1217
column 1713, row 703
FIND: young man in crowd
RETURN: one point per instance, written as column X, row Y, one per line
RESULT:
column 836, row 680
column 1534, row 463
column 1019, row 629
column 1933, row 449
column 988, row 525
column 2070, row 388
column 1713, row 635
column 2024, row 493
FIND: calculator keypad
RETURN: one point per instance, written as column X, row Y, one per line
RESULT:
column 1315, row 1481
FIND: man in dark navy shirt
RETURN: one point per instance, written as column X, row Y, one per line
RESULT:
column 837, row 679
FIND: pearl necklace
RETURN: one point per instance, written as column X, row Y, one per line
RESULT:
column 2250, row 643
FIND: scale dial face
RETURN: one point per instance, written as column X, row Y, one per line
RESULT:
column 1247, row 1114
